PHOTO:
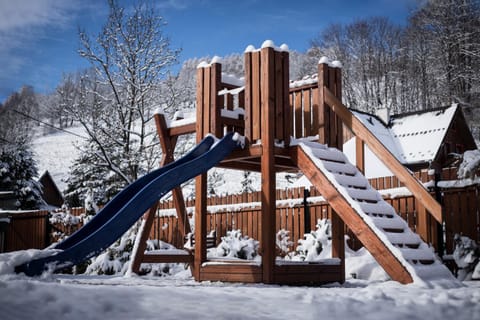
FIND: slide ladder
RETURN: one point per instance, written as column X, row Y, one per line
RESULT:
column 400, row 251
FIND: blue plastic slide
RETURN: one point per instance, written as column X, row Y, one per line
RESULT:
column 129, row 205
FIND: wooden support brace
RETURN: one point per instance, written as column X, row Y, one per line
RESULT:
column 142, row 245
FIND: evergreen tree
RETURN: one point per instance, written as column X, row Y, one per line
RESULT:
column 88, row 178
column 17, row 172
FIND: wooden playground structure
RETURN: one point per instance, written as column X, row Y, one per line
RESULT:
column 274, row 114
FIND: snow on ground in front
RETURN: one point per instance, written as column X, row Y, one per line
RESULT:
column 178, row 296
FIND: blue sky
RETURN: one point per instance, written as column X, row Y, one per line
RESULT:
column 39, row 38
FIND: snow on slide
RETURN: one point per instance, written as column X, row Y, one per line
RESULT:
column 130, row 204
column 415, row 255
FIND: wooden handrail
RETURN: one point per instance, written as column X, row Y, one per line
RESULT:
column 361, row 131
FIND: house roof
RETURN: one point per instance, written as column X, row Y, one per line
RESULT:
column 412, row 138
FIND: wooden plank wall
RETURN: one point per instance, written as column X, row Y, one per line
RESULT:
column 253, row 96
column 305, row 111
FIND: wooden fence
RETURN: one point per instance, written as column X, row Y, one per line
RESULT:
column 298, row 211
column 24, row 230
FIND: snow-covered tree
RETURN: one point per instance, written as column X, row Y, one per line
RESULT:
column 16, row 117
column 116, row 101
column 17, row 172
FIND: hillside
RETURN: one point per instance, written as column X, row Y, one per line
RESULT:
column 56, row 152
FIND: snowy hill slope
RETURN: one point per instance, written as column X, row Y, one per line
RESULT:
column 56, row 152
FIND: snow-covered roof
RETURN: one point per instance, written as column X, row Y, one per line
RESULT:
column 412, row 138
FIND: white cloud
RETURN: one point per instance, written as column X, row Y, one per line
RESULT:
column 23, row 25
column 19, row 15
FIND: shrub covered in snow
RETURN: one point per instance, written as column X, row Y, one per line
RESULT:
column 283, row 242
column 115, row 259
column 316, row 244
column 470, row 164
column 235, row 245
column 467, row 258
column 65, row 223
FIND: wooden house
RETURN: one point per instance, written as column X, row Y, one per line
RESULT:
column 419, row 140
column 50, row 192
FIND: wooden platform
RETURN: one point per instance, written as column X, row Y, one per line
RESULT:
column 289, row 273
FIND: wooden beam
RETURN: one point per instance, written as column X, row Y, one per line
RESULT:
column 200, row 224
column 181, row 130
column 139, row 256
column 364, row 233
column 167, row 144
column 268, row 163
column 168, row 258
column 361, row 131
column 338, row 243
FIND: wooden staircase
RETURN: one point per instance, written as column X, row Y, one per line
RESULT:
column 400, row 251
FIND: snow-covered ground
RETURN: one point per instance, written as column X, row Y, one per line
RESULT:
column 179, row 297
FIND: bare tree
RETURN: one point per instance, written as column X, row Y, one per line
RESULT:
column 447, row 33
column 368, row 50
column 129, row 59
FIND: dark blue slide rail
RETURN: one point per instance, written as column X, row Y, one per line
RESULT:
column 133, row 204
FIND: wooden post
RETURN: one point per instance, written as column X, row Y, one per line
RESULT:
column 337, row 86
column 248, row 95
column 286, row 96
column 268, row 163
column 323, row 110
column 202, row 126
column 360, row 154
column 338, row 241
column 331, row 133
column 215, row 108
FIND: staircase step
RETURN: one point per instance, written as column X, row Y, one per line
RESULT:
column 393, row 223
column 340, row 168
column 328, row 155
column 369, row 195
column 380, row 208
column 420, row 254
column 356, row 181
